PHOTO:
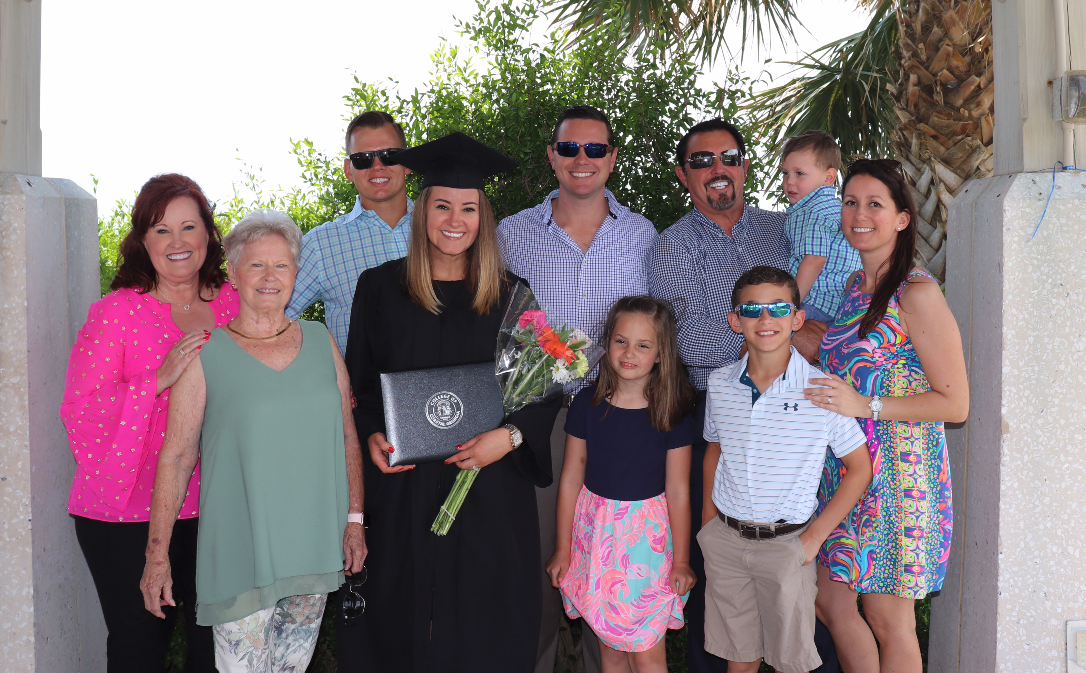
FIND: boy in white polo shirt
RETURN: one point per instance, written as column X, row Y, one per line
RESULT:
column 766, row 448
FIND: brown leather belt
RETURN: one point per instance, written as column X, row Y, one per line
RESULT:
column 760, row 532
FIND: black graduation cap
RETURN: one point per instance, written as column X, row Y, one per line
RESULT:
column 456, row 160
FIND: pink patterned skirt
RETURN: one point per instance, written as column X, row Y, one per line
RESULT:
column 618, row 574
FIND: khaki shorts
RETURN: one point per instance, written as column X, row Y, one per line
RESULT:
column 759, row 599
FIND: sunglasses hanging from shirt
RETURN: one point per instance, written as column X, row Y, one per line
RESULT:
column 591, row 150
column 707, row 159
column 778, row 309
column 363, row 160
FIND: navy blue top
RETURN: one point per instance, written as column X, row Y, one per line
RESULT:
column 627, row 457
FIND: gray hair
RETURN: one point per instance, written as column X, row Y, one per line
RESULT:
column 258, row 224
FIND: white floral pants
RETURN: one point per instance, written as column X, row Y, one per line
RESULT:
column 279, row 639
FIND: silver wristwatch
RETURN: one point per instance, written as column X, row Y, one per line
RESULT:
column 875, row 406
column 515, row 438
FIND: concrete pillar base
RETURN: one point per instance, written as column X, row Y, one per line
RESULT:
column 1018, row 565
column 50, row 619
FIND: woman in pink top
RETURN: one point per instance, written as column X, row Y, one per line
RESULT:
column 168, row 295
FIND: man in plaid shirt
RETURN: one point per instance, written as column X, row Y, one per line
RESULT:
column 580, row 250
column 694, row 265
column 376, row 230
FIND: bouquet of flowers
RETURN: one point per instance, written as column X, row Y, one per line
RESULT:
column 533, row 362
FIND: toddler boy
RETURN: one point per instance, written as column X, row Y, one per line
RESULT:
column 822, row 260
column 767, row 444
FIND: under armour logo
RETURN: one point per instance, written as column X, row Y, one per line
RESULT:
column 795, row 407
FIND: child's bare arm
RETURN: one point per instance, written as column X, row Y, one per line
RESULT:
column 712, row 457
column 677, row 491
column 569, row 487
column 807, row 273
column 853, row 484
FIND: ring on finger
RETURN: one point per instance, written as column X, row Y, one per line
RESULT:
column 181, row 351
column 475, row 468
column 831, row 400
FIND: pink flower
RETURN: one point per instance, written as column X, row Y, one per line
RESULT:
column 537, row 319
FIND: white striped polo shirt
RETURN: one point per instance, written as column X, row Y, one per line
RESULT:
column 772, row 452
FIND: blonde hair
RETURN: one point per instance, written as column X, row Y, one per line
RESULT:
column 486, row 269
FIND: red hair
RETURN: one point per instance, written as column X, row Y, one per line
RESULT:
column 136, row 269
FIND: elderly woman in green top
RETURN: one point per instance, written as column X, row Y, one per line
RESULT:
column 266, row 408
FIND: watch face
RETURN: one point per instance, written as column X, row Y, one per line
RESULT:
column 876, row 404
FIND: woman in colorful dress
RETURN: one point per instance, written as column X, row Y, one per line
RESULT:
column 167, row 296
column 894, row 360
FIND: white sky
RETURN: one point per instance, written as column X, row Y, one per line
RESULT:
column 135, row 88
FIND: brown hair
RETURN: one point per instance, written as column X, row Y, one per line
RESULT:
column 486, row 269
column 373, row 119
column 888, row 172
column 669, row 392
column 766, row 275
column 155, row 196
column 821, row 144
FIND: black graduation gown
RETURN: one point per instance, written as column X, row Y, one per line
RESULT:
column 469, row 601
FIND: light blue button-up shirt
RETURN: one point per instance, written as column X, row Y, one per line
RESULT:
column 336, row 253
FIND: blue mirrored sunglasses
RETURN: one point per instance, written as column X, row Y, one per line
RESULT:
column 777, row 309
column 591, row 150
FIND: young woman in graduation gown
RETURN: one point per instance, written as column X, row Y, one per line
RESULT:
column 468, row 601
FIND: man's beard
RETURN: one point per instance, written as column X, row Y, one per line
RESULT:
column 726, row 198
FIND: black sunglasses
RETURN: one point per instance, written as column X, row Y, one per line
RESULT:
column 363, row 160
column 591, row 150
column 352, row 604
column 707, row 159
column 886, row 165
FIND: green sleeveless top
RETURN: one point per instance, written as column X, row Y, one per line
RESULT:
column 273, row 491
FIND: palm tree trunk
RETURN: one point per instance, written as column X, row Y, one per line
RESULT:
column 943, row 102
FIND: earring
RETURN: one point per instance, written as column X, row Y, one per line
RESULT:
column 233, row 285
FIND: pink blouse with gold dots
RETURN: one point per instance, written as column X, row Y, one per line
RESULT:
column 116, row 424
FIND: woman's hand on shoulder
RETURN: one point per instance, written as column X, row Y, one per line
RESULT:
column 837, row 395
column 379, row 450
column 482, row 450
column 682, row 578
column 178, row 359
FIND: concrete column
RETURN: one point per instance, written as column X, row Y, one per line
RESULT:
column 50, row 619
column 1018, row 566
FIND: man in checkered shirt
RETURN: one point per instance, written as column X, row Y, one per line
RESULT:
column 580, row 250
column 694, row 265
column 376, row 230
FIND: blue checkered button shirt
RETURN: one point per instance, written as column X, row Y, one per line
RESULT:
column 694, row 265
column 336, row 253
column 813, row 226
column 577, row 288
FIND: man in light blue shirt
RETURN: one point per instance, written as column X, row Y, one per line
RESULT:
column 378, row 229
column 580, row 250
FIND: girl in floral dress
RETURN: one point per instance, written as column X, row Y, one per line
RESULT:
column 623, row 528
column 894, row 357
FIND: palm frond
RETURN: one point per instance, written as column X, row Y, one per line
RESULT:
column 839, row 88
column 690, row 26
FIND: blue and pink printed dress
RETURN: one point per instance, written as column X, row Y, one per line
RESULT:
column 621, row 555
column 897, row 538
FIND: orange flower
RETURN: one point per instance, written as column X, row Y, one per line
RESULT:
column 553, row 346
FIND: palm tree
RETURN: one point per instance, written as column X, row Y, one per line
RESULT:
column 916, row 82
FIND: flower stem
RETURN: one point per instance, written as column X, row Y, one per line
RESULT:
column 453, row 502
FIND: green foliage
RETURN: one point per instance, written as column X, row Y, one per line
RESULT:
column 651, row 96
column 697, row 27
column 840, row 88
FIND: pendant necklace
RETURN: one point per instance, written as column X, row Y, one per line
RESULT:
column 184, row 306
column 246, row 336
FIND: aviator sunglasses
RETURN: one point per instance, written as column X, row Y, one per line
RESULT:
column 591, row 150
column 707, row 159
column 363, row 160
column 778, row 309
column 353, row 605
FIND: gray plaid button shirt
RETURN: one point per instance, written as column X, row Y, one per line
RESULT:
column 694, row 265
column 577, row 288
